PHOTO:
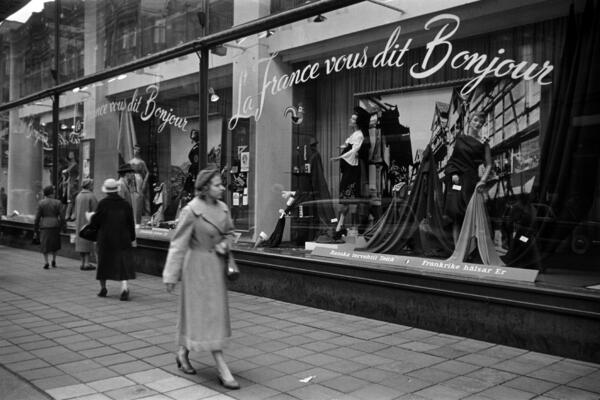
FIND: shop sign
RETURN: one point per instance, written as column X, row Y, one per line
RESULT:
column 480, row 65
column 433, row 265
column 146, row 107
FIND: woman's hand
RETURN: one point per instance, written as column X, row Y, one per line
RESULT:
column 455, row 179
column 334, row 158
column 481, row 186
column 170, row 287
column 222, row 247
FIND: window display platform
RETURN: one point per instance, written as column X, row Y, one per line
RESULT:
column 537, row 316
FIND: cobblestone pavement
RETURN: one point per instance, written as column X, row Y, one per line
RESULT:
column 58, row 335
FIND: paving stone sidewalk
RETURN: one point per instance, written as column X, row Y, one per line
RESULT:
column 58, row 335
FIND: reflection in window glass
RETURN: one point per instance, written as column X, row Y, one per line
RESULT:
column 27, row 154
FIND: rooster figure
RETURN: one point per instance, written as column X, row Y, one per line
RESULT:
column 296, row 113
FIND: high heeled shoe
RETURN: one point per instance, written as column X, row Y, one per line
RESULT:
column 46, row 266
column 53, row 264
column 186, row 369
column 232, row 384
column 103, row 292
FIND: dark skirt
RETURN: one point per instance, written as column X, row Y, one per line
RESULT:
column 115, row 264
column 456, row 201
column 49, row 240
column 350, row 182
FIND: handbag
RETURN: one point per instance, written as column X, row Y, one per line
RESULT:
column 87, row 232
column 36, row 238
column 232, row 271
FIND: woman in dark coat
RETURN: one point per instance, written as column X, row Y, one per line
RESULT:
column 113, row 220
column 462, row 172
column 48, row 223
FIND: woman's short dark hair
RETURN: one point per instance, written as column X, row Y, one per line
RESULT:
column 48, row 190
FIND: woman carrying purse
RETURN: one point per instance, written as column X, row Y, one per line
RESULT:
column 203, row 320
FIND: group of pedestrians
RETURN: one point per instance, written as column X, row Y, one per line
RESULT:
column 197, row 257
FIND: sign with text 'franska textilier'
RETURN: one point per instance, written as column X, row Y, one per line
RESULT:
column 445, row 26
column 428, row 264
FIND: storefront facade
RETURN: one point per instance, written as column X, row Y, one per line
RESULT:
column 431, row 163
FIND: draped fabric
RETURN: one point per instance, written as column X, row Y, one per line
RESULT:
column 569, row 159
column 476, row 226
column 127, row 138
column 415, row 225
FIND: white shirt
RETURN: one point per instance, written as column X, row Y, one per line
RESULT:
column 356, row 140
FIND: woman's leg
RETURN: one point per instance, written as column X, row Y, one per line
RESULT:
column 183, row 362
column 54, row 259
column 343, row 211
column 45, row 260
column 124, row 286
column 222, row 367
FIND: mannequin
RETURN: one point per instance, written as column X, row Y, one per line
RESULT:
column 461, row 172
column 72, row 175
column 194, row 158
column 354, row 158
column 140, row 175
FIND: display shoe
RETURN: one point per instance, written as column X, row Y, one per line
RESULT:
column 125, row 295
column 46, row 266
column 185, row 366
column 232, row 384
column 103, row 292
column 53, row 264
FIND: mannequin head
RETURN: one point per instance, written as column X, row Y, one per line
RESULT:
column 476, row 122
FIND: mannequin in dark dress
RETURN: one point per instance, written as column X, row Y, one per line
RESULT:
column 193, row 170
column 354, row 157
column 462, row 177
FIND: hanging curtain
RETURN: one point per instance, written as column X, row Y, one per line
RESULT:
column 569, row 159
column 127, row 138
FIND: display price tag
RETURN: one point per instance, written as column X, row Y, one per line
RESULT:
column 456, row 187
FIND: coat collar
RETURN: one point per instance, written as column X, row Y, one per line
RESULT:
column 199, row 207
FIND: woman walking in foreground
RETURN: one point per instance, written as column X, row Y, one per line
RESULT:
column 197, row 257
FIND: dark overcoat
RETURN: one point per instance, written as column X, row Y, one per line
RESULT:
column 48, row 222
column 116, row 230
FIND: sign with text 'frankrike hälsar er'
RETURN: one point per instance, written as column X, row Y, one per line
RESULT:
column 429, row 264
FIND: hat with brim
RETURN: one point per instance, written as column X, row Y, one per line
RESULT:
column 204, row 177
column 313, row 142
column 125, row 168
column 110, row 186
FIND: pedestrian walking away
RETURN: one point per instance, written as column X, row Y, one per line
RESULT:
column 197, row 255
column 85, row 202
column 47, row 225
column 113, row 220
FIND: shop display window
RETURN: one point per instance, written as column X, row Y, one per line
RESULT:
column 406, row 136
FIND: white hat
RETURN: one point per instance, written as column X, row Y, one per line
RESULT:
column 110, row 186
